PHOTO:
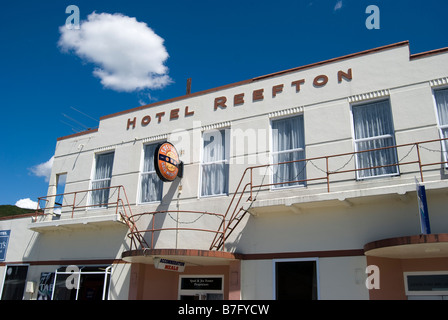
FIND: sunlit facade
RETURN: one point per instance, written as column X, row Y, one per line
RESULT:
column 300, row 184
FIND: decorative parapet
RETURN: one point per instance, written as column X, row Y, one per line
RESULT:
column 286, row 112
column 215, row 126
column 369, row 96
column 439, row 82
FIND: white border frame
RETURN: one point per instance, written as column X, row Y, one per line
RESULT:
column 274, row 283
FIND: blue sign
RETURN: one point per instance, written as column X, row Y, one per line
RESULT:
column 4, row 239
column 423, row 209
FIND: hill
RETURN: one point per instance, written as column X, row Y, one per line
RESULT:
column 10, row 210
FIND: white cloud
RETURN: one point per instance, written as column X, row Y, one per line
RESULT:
column 26, row 203
column 338, row 5
column 127, row 54
column 43, row 169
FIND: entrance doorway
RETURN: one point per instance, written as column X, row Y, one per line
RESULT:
column 296, row 279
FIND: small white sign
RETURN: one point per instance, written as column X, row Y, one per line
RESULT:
column 171, row 265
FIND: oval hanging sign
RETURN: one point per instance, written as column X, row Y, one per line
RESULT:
column 167, row 163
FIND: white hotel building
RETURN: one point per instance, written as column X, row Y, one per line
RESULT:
column 281, row 196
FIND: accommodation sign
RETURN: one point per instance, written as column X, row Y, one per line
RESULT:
column 170, row 265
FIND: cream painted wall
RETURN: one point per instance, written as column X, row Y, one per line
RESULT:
column 318, row 220
column 339, row 278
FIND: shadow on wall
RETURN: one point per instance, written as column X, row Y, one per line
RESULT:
column 80, row 244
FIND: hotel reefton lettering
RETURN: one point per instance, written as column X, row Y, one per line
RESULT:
column 239, row 99
column 324, row 208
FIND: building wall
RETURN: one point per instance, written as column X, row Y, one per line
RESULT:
column 294, row 220
column 326, row 110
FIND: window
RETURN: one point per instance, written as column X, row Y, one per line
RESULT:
column 288, row 145
column 296, row 280
column 14, row 283
column 430, row 283
column 215, row 163
column 150, row 184
column 84, row 283
column 60, row 189
column 373, row 129
column 101, row 179
column 441, row 97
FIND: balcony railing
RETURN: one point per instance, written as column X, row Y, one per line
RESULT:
column 78, row 201
column 179, row 220
column 326, row 168
column 76, row 204
column 408, row 154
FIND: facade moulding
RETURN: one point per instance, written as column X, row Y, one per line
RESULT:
column 287, row 112
column 221, row 125
column 369, row 96
column 439, row 82
column 155, row 138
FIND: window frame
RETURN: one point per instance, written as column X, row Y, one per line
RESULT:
column 441, row 127
column 357, row 141
column 4, row 278
column 274, row 273
column 106, row 285
column 90, row 204
column 226, row 160
column 423, row 292
column 142, row 173
column 303, row 184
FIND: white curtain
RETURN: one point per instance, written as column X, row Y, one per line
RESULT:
column 102, row 176
column 288, row 145
column 151, row 185
column 442, row 110
column 215, row 167
column 374, row 129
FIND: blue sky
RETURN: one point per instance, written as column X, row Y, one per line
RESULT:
column 51, row 88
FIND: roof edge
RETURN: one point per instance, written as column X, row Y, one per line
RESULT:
column 235, row 84
column 428, row 53
column 77, row 134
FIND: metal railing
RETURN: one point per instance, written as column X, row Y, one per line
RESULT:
column 117, row 200
column 235, row 211
column 153, row 230
column 246, row 186
column 71, row 202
